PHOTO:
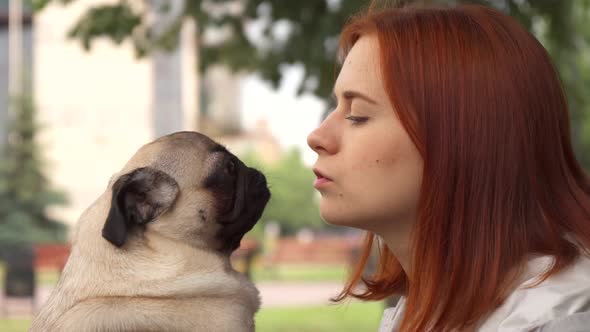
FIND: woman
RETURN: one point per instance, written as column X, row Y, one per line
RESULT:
column 450, row 144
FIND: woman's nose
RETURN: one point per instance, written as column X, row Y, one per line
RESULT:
column 321, row 140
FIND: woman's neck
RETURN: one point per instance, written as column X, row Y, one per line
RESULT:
column 398, row 242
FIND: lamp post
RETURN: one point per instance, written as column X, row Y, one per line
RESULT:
column 167, row 71
column 15, row 62
column 15, row 48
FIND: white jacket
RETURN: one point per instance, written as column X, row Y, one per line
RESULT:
column 559, row 304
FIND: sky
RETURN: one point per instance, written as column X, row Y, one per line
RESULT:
column 290, row 117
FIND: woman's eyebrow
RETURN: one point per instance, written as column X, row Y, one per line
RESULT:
column 351, row 94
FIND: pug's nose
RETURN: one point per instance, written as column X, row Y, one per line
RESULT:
column 259, row 180
column 258, row 183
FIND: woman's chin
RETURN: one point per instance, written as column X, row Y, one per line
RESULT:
column 339, row 219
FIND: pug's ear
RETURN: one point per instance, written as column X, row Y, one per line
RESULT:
column 138, row 198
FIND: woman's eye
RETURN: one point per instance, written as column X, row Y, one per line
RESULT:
column 357, row 119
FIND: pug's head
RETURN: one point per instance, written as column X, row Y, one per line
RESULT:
column 186, row 187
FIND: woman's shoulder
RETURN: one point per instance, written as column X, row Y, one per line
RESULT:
column 392, row 317
column 560, row 301
column 559, row 296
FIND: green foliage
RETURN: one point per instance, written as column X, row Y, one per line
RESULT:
column 312, row 28
column 562, row 27
column 24, row 189
column 293, row 204
column 96, row 20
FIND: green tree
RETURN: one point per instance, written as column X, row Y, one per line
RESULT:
column 293, row 204
column 24, row 189
column 563, row 29
column 312, row 28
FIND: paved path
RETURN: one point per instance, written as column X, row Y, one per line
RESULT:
column 277, row 294
column 273, row 295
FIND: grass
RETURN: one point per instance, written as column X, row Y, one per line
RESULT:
column 283, row 272
column 300, row 273
column 14, row 325
column 351, row 317
column 294, row 273
column 47, row 278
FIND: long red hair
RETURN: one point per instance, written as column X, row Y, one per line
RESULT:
column 483, row 104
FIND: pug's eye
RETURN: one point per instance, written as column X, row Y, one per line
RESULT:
column 230, row 168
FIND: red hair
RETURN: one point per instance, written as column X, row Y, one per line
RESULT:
column 480, row 99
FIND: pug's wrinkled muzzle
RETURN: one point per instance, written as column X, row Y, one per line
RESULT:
column 250, row 196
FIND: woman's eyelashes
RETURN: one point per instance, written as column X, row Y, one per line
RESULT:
column 347, row 108
column 357, row 120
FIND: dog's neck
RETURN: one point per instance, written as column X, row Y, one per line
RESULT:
column 181, row 268
column 168, row 249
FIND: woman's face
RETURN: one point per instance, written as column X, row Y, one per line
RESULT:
column 369, row 171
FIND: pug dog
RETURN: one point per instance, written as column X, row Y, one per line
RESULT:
column 152, row 253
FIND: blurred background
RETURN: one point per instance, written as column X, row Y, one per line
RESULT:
column 85, row 83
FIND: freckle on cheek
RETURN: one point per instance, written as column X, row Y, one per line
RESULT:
column 377, row 161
